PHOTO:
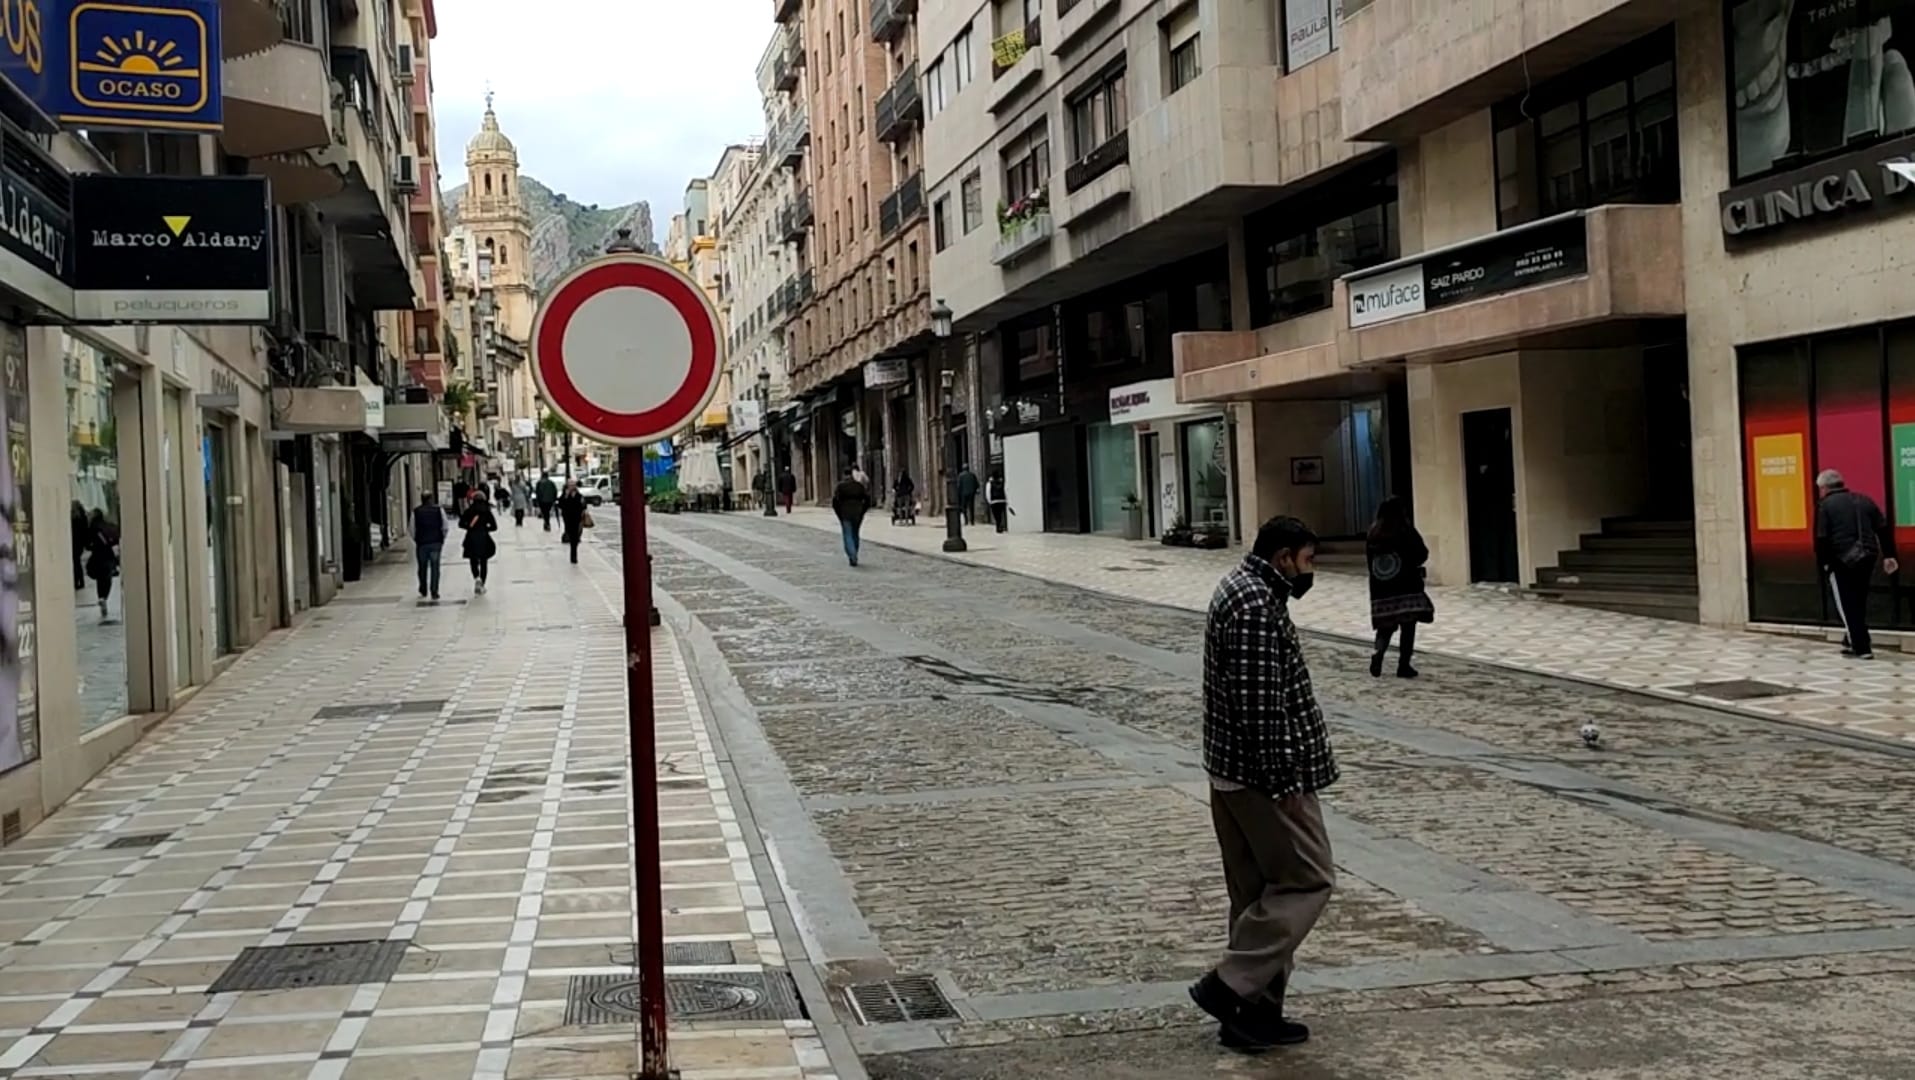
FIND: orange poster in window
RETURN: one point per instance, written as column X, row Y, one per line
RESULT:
column 1781, row 490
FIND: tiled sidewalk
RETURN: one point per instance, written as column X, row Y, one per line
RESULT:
column 447, row 779
column 1603, row 647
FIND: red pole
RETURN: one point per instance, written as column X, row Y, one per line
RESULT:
column 639, row 706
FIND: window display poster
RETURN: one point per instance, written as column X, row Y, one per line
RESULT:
column 1902, row 438
column 1811, row 78
column 19, row 690
column 1309, row 30
column 1781, row 482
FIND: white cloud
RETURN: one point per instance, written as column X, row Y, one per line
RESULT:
column 608, row 101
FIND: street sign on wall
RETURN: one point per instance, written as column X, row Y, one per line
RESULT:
column 116, row 63
column 625, row 349
column 168, row 249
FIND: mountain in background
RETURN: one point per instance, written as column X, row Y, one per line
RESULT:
column 566, row 233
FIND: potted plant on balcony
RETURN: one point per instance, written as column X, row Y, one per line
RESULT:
column 1013, row 215
column 456, row 400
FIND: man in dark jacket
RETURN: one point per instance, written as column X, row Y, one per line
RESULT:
column 1268, row 754
column 967, row 494
column 787, row 488
column 547, row 496
column 428, row 540
column 1851, row 536
column 851, row 501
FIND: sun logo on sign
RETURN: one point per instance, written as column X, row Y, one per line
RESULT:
column 140, row 55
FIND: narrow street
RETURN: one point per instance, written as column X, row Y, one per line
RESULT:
column 994, row 783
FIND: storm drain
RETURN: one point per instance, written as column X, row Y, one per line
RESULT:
column 1737, row 690
column 296, row 967
column 752, row 996
column 369, row 709
column 138, row 840
column 684, row 954
column 901, row 1000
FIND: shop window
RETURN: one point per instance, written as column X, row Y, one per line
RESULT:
column 1299, row 248
column 1843, row 401
column 1604, row 133
column 1811, row 80
column 94, row 443
column 1031, row 350
column 1206, row 466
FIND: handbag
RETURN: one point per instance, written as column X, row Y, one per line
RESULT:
column 585, row 520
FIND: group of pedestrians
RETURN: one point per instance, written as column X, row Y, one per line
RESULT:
column 479, row 520
column 852, row 499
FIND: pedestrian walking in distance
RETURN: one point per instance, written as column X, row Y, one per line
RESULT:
column 904, row 500
column 995, row 499
column 1268, row 754
column 428, row 541
column 573, row 516
column 1396, row 555
column 547, row 494
column 521, row 499
column 1851, row 536
column 787, row 488
column 78, row 522
column 851, row 502
column 102, row 557
column 967, row 494
column 479, row 547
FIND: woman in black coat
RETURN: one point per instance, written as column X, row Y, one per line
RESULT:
column 571, row 509
column 479, row 524
column 1397, row 554
column 103, row 557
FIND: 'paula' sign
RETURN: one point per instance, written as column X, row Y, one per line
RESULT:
column 116, row 63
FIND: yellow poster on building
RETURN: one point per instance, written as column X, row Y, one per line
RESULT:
column 1781, row 492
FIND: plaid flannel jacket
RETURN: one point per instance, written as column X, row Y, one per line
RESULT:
column 1262, row 727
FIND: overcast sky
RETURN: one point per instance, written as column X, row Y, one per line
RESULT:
column 608, row 101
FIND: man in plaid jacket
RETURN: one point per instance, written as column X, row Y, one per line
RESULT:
column 1268, row 754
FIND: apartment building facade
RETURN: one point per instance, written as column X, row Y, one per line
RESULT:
column 198, row 425
column 863, row 336
column 1637, row 278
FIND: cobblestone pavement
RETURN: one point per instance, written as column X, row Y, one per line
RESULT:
column 1627, row 651
column 446, row 784
column 994, row 781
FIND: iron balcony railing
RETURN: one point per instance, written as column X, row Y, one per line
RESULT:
column 1006, row 51
column 900, row 106
column 1109, row 154
column 889, row 18
column 904, row 203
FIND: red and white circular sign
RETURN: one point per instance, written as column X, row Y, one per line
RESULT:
column 625, row 349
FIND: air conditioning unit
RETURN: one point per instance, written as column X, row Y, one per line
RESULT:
column 406, row 177
column 405, row 65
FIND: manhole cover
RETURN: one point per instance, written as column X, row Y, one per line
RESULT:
column 754, row 996
column 1737, row 690
column 295, row 967
column 139, row 840
column 899, row 1001
column 683, row 954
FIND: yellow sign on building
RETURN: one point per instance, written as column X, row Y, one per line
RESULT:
column 1781, row 495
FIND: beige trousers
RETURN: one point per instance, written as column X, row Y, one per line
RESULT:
column 1278, row 869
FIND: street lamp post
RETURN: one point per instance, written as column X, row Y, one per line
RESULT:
column 953, row 514
column 764, row 431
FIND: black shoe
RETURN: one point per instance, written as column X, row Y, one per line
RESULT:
column 1376, row 666
column 1291, row 1032
column 1405, row 671
column 1254, row 1026
column 1852, row 655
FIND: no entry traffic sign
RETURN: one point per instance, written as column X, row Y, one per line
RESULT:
column 625, row 349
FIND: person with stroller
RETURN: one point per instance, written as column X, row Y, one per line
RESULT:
column 904, row 500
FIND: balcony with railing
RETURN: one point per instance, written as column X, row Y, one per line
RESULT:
column 900, row 106
column 890, row 18
column 783, row 10
column 795, row 218
column 904, row 203
column 789, row 139
column 1017, row 58
column 788, row 63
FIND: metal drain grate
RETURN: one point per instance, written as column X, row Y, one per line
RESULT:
column 902, row 1000
column 296, row 967
column 683, row 954
column 1737, row 690
column 751, row 996
column 138, row 840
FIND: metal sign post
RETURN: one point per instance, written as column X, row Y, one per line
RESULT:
column 625, row 349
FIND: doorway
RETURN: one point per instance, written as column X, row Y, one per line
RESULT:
column 1152, row 482
column 1489, row 488
column 1366, row 462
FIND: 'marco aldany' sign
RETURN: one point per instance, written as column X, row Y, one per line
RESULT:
column 1853, row 186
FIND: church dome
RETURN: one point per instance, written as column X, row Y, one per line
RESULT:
column 490, row 141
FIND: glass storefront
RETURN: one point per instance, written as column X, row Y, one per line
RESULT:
column 19, row 676
column 1113, row 475
column 1843, row 401
column 93, row 464
column 219, row 558
column 1206, row 464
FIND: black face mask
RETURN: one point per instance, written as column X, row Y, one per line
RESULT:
column 1300, row 584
